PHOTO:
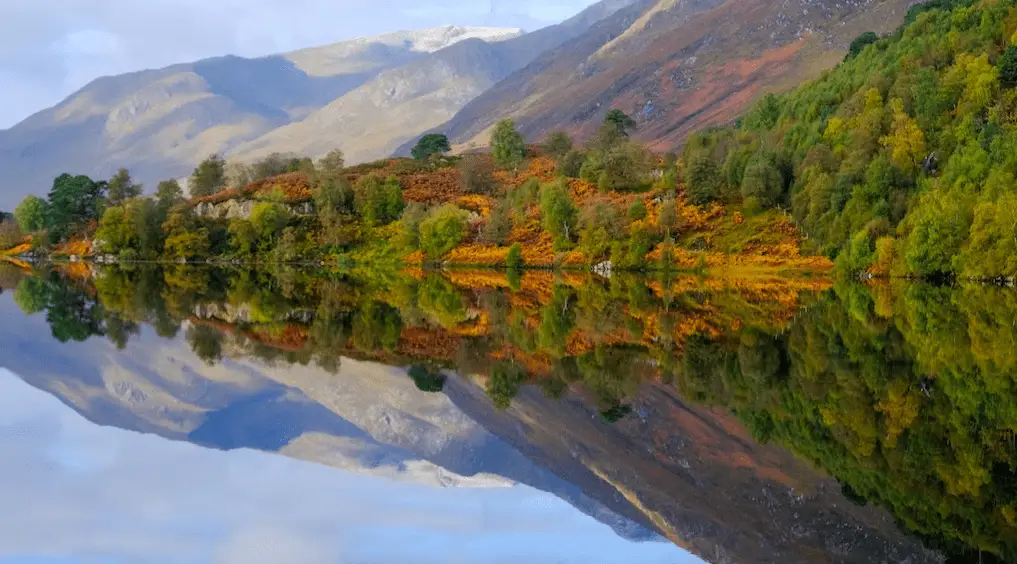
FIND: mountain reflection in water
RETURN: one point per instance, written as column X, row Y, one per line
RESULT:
column 640, row 402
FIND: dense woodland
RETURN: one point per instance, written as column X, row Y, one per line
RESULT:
column 902, row 391
column 902, row 160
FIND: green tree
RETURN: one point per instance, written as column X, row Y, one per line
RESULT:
column 620, row 122
column 703, row 179
column 667, row 217
column 557, row 145
column 860, row 42
column 558, row 214
column 442, row 230
column 571, row 164
column 31, row 214
column 499, row 223
column 1008, row 67
column 31, row 295
column 503, row 383
column 637, row 211
column 431, row 144
column 74, row 201
column 378, row 202
column 331, row 165
column 208, row 178
column 507, row 145
column 168, row 193
column 427, row 380
column 514, row 261
column 121, row 187
column 243, row 238
column 269, row 219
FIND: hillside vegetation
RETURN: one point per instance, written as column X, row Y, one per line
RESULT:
column 901, row 160
column 551, row 205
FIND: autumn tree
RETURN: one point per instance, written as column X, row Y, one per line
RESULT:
column 431, row 144
column 10, row 234
column 906, row 141
column 507, row 145
column 477, row 174
column 208, row 177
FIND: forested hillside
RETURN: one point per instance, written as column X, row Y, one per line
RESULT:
column 899, row 161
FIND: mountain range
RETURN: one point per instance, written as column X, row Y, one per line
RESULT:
column 674, row 65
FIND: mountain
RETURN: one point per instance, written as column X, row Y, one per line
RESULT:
column 160, row 123
column 366, row 96
column 674, row 65
column 372, row 121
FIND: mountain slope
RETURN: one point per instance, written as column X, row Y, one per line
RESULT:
column 674, row 65
column 159, row 123
column 373, row 120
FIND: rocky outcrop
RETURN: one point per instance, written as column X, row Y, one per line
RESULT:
column 242, row 209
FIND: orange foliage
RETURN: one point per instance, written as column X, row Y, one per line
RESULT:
column 80, row 247
column 295, row 187
column 436, row 187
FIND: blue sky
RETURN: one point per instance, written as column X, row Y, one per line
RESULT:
column 76, row 492
column 49, row 48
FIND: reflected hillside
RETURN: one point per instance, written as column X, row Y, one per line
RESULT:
column 710, row 412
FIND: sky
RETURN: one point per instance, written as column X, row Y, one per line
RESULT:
column 51, row 48
column 77, row 493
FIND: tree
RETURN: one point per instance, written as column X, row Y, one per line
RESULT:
column 703, row 179
column 121, row 187
column 74, row 201
column 243, row 238
column 667, row 217
column 558, row 214
column 116, row 232
column 1008, row 67
column 514, row 261
column 637, row 211
column 378, row 202
column 431, row 144
column 269, row 219
column 274, row 164
column 762, row 179
column 10, row 235
column 499, row 223
column 601, row 226
column 571, row 164
column 208, row 178
column 906, row 140
column 619, row 121
column 426, row 380
column 859, row 43
column 477, row 174
column 31, row 295
column 31, row 214
column 442, row 230
column 507, row 145
column 168, row 193
column 331, row 165
column 557, row 145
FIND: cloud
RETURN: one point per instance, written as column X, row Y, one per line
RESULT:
column 49, row 48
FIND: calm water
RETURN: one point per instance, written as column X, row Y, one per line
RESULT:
column 199, row 415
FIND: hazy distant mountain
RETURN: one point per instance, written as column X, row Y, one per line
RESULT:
column 366, row 96
column 159, row 123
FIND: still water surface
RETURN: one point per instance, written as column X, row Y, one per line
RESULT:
column 198, row 415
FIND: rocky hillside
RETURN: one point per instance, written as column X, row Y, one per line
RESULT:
column 676, row 65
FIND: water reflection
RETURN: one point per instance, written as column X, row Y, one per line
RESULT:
column 628, row 398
